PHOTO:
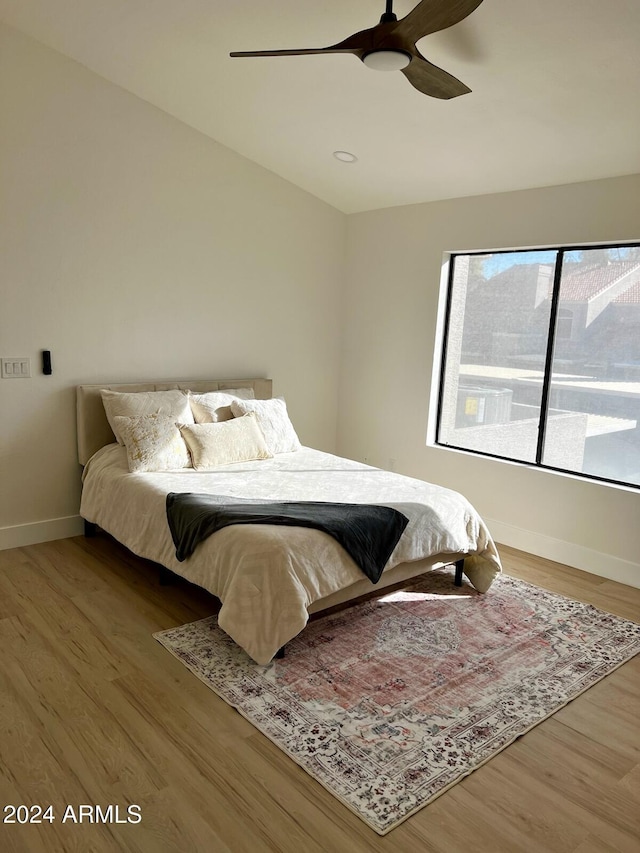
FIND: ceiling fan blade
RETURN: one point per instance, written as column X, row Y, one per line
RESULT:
column 431, row 80
column 301, row 52
column 358, row 43
column 431, row 16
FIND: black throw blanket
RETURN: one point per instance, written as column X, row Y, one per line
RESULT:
column 368, row 532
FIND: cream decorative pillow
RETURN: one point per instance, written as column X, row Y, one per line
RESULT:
column 153, row 443
column 235, row 440
column 172, row 404
column 273, row 420
column 215, row 406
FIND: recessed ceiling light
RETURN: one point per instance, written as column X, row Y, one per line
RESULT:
column 345, row 156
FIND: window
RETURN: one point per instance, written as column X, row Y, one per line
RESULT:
column 541, row 359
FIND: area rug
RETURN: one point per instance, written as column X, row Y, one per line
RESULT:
column 392, row 701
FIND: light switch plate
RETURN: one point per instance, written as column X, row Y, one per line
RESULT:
column 16, row 368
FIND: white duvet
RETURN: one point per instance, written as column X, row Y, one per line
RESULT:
column 267, row 576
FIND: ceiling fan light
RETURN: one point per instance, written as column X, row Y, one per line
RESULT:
column 386, row 60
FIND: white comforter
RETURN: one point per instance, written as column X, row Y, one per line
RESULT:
column 267, row 576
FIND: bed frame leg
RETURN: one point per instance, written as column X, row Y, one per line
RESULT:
column 90, row 529
column 279, row 654
column 459, row 567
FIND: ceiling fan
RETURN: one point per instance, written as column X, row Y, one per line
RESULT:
column 391, row 45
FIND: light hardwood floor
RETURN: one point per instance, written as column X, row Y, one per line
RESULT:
column 94, row 711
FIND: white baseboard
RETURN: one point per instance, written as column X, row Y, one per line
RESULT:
column 40, row 531
column 569, row 553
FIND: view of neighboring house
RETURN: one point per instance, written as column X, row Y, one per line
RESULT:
column 598, row 321
column 594, row 391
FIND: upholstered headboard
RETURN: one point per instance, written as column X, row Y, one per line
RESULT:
column 93, row 427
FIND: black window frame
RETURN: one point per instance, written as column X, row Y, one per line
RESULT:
column 561, row 251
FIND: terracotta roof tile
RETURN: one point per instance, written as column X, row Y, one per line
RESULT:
column 580, row 286
column 630, row 296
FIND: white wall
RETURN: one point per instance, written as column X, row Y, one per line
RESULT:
column 394, row 260
column 135, row 248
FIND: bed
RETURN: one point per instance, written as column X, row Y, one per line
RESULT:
column 268, row 578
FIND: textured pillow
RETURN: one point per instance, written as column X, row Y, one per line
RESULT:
column 215, row 406
column 236, row 440
column 153, row 443
column 273, row 421
column 172, row 404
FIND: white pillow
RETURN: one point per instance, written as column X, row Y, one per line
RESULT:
column 273, row 421
column 153, row 443
column 235, row 440
column 172, row 404
column 215, row 406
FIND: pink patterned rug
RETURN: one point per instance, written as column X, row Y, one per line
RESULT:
column 391, row 702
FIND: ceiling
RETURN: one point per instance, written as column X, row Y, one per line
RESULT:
column 555, row 89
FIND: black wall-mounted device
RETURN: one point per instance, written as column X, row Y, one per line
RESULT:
column 46, row 362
